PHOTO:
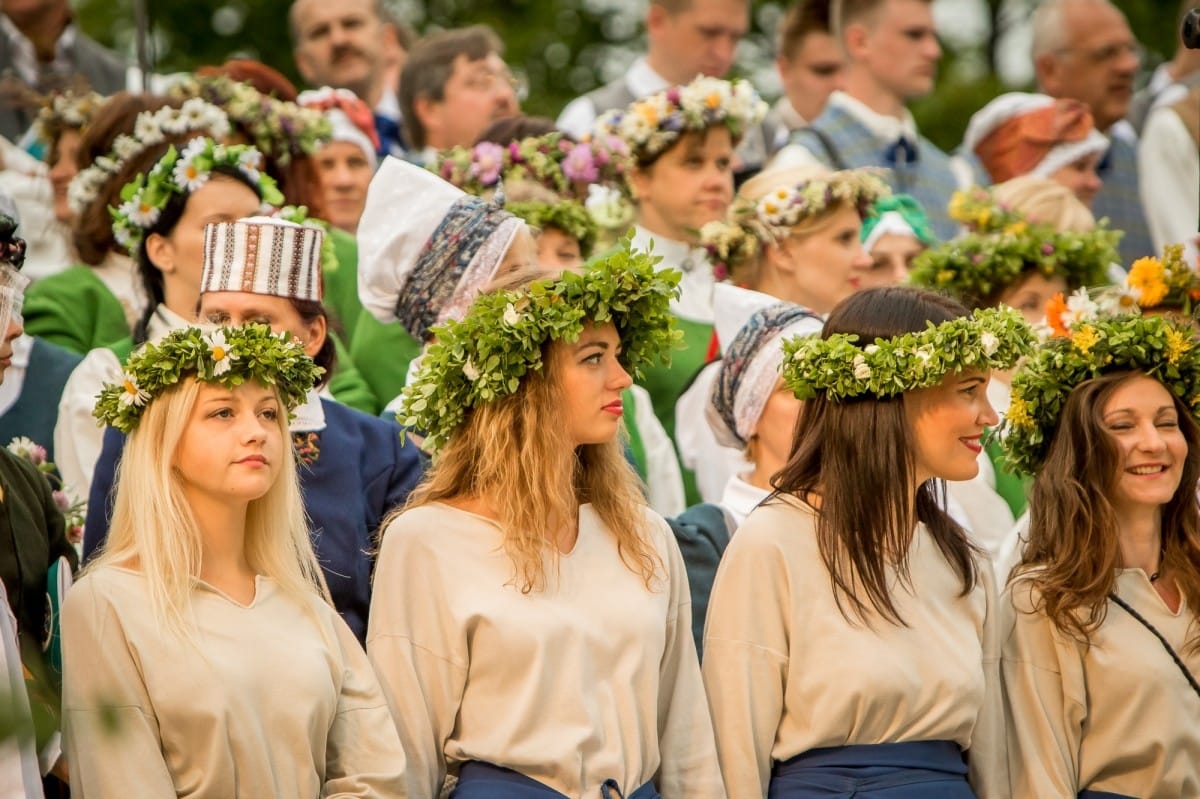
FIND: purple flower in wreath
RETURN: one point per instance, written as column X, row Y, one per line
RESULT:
column 1047, row 249
column 307, row 447
column 579, row 165
column 487, row 161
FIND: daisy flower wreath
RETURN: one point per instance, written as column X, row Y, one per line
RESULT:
column 990, row 338
column 651, row 125
column 229, row 356
column 183, row 172
column 484, row 357
column 1158, row 346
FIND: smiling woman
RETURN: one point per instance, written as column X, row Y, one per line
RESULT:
column 853, row 554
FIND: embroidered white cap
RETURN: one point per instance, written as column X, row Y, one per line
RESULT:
column 263, row 255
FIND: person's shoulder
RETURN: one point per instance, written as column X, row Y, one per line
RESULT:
column 74, row 280
column 782, row 522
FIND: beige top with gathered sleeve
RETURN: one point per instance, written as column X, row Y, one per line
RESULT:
column 1117, row 716
column 786, row 672
column 274, row 698
column 593, row 677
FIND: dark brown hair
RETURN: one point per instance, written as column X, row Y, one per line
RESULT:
column 1073, row 549
column 804, row 18
column 855, row 459
column 430, row 64
column 516, row 128
column 92, row 234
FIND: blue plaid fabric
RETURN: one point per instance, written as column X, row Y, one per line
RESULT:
column 917, row 168
column 1120, row 200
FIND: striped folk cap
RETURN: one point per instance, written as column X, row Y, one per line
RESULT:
column 263, row 255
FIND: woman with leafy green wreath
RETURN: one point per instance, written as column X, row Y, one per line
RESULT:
column 202, row 656
column 1101, row 647
column 850, row 645
column 540, row 644
column 1030, row 239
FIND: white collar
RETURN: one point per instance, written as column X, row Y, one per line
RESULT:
column 163, row 321
column 740, row 498
column 25, row 56
column 309, row 417
column 788, row 114
column 695, row 302
column 882, row 126
column 643, row 81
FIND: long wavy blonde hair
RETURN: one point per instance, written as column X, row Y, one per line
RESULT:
column 511, row 453
column 154, row 530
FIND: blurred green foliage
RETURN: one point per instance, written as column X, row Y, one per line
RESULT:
column 565, row 47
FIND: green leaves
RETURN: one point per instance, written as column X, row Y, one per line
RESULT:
column 485, row 356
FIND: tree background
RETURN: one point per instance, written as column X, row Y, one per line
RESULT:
column 566, row 47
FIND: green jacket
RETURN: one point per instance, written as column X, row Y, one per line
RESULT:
column 75, row 310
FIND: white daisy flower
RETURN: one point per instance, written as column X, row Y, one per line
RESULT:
column 139, row 212
column 132, row 394
column 511, row 317
column 989, row 342
column 222, row 354
column 126, row 147
column 861, row 370
column 188, row 175
column 470, row 371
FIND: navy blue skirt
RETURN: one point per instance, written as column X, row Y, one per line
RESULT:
column 909, row 770
column 478, row 780
column 1103, row 795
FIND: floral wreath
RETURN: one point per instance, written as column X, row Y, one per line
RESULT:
column 483, row 358
column 975, row 266
column 552, row 160
column 1167, row 283
column 990, row 338
column 279, row 129
column 568, row 216
column 181, row 173
column 149, row 129
column 66, row 111
column 1159, row 346
column 71, row 504
column 652, row 124
column 751, row 224
column 229, row 356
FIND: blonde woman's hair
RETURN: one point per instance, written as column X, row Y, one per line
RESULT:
column 154, row 529
column 509, row 452
column 747, row 270
column 1045, row 201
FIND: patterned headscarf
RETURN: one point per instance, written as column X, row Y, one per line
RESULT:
column 750, row 368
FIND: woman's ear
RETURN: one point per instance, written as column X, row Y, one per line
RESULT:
column 777, row 256
column 639, row 181
column 314, row 336
column 161, row 253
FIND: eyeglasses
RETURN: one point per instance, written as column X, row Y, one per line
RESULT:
column 491, row 80
column 1112, row 52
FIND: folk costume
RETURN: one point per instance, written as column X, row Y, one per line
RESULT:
column 208, row 706
column 354, row 468
column 1112, row 716
column 586, row 685
column 650, row 126
column 810, row 702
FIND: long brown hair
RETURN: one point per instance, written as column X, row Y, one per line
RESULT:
column 1073, row 550
column 856, row 456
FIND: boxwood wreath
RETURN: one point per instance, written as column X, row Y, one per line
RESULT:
column 229, row 356
column 991, row 338
column 483, row 358
column 1160, row 347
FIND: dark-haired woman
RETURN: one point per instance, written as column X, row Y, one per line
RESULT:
column 163, row 226
column 1101, row 655
column 849, row 648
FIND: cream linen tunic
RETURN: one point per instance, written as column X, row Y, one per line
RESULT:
column 593, row 677
column 274, row 700
column 1118, row 716
column 786, row 672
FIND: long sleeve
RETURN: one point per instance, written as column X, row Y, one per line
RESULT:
column 111, row 735
column 987, row 757
column 102, row 494
column 364, row 757
column 746, row 660
column 688, row 769
column 77, row 436
column 1170, row 168
column 1045, row 715
column 422, row 671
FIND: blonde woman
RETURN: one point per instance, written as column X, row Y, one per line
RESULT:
column 201, row 654
column 793, row 235
column 540, row 644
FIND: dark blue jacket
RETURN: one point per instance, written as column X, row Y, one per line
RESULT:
column 361, row 474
